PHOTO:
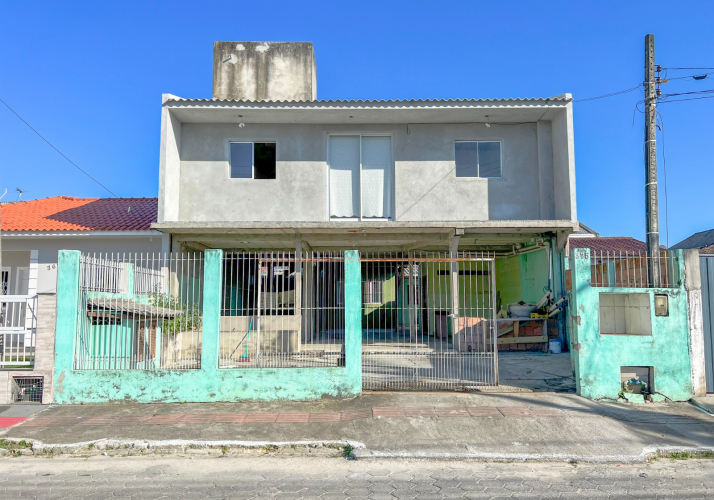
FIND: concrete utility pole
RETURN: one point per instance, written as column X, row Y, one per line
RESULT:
column 651, row 203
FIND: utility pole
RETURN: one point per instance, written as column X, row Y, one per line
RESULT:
column 651, row 206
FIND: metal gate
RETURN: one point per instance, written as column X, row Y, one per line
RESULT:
column 706, row 267
column 428, row 321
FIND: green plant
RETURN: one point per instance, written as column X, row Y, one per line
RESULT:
column 680, row 455
column 188, row 317
column 90, row 446
column 347, row 450
column 270, row 448
column 224, row 450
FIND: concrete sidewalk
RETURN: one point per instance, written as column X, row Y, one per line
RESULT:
column 428, row 425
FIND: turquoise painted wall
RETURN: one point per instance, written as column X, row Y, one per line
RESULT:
column 209, row 383
column 597, row 358
column 522, row 277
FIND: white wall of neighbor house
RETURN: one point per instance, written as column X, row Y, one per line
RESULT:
column 17, row 252
column 537, row 180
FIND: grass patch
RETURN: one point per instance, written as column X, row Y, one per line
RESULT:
column 12, row 445
column 680, row 455
column 270, row 448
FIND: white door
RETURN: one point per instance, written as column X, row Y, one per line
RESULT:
column 361, row 177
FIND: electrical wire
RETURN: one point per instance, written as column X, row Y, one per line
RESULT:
column 610, row 95
column 60, row 152
column 688, row 99
column 677, row 69
column 662, row 80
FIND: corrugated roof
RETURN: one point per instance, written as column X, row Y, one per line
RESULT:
column 697, row 240
column 65, row 213
column 531, row 100
column 609, row 244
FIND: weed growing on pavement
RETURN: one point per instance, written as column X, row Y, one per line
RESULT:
column 90, row 446
column 347, row 450
column 680, row 455
column 224, row 450
column 12, row 445
column 270, row 448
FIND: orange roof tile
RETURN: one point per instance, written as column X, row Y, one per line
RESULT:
column 65, row 213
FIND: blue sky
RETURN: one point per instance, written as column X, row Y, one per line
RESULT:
column 89, row 76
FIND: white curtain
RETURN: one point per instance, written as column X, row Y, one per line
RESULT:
column 344, row 176
column 376, row 176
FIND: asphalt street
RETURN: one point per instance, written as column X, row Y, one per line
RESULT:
column 333, row 478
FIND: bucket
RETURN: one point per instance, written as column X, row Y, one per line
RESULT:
column 555, row 346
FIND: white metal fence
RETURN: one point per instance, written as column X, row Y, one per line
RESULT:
column 140, row 311
column 18, row 326
column 631, row 269
column 428, row 321
column 282, row 310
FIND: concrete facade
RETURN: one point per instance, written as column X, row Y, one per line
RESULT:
column 537, row 183
column 264, row 71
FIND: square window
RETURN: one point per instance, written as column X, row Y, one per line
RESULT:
column 252, row 160
column 625, row 314
column 478, row 159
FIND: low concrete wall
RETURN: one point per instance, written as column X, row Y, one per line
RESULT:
column 209, row 383
column 597, row 358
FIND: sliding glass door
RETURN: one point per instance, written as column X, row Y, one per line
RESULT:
column 361, row 177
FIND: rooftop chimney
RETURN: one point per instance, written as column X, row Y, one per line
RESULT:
column 264, row 71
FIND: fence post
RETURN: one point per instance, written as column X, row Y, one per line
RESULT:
column 68, row 294
column 211, row 329
column 353, row 319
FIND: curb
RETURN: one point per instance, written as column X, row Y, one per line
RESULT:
column 176, row 446
column 647, row 454
column 352, row 450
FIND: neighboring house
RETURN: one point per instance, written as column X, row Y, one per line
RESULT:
column 34, row 231
column 703, row 242
column 32, row 234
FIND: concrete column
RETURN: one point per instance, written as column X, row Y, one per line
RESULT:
column 68, row 295
column 212, row 285
column 353, row 320
column 693, row 287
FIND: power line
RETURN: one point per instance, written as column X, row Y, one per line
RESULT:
column 53, row 147
column 609, row 95
column 688, row 99
column 676, row 69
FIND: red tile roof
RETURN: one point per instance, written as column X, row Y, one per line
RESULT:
column 609, row 244
column 65, row 213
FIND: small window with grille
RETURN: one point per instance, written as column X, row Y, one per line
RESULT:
column 27, row 389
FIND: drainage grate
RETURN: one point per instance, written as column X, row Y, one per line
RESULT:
column 27, row 389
